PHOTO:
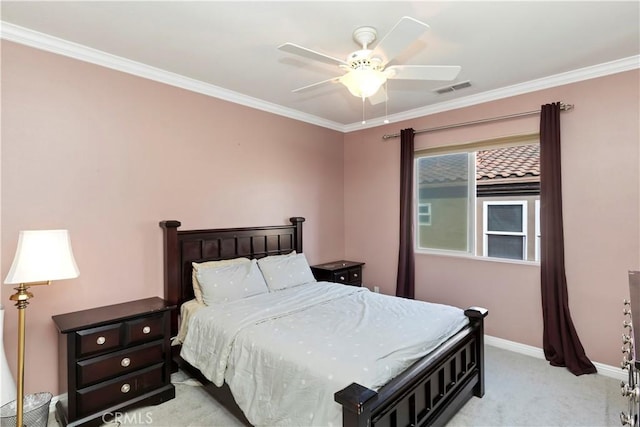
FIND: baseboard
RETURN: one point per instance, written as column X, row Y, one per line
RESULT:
column 528, row 350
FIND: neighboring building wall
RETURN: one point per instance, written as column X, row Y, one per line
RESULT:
column 448, row 229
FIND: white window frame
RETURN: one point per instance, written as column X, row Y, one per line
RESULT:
column 485, row 225
column 538, row 233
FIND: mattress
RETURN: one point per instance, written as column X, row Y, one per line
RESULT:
column 285, row 353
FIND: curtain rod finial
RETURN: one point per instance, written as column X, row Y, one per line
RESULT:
column 566, row 107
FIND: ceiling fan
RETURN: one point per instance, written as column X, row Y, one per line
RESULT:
column 367, row 70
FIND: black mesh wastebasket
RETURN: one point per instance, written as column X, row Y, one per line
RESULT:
column 35, row 411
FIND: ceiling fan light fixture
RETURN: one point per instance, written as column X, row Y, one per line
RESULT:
column 363, row 83
column 365, row 70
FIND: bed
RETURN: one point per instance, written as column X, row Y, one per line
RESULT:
column 428, row 392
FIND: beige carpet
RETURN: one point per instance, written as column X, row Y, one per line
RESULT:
column 525, row 391
column 520, row 391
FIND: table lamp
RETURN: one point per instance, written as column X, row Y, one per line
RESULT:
column 41, row 256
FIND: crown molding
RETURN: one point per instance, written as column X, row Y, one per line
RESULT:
column 80, row 52
column 600, row 70
column 63, row 47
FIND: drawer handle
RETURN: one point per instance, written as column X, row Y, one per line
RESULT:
column 125, row 388
column 355, row 275
column 146, row 330
column 101, row 340
column 125, row 362
column 341, row 277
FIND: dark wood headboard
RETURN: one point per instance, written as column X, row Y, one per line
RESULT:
column 182, row 247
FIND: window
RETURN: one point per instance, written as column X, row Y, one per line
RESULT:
column 424, row 213
column 505, row 229
column 480, row 199
column 444, row 184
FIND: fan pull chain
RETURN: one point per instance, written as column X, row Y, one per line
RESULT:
column 386, row 103
column 363, row 120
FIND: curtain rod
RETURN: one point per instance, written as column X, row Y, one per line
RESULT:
column 563, row 107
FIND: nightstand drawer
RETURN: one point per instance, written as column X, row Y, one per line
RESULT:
column 145, row 329
column 101, row 339
column 341, row 277
column 101, row 368
column 104, row 395
column 352, row 276
column 355, row 275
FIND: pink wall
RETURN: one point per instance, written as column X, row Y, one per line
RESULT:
column 108, row 155
column 601, row 193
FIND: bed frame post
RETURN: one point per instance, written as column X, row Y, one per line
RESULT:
column 171, row 269
column 477, row 315
column 356, row 402
column 297, row 221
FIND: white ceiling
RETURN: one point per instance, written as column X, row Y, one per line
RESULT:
column 229, row 49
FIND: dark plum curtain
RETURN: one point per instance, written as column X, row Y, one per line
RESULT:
column 561, row 344
column 406, row 272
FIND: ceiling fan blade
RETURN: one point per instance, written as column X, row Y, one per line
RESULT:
column 423, row 72
column 405, row 32
column 311, row 54
column 379, row 97
column 311, row 86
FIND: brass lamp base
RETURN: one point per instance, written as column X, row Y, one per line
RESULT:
column 22, row 300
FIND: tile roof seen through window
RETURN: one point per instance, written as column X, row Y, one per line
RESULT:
column 510, row 162
column 447, row 168
column 501, row 163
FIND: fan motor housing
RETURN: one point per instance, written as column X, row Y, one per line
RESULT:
column 362, row 60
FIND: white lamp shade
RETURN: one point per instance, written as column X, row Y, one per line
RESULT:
column 43, row 255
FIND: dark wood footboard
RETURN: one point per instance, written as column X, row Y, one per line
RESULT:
column 428, row 393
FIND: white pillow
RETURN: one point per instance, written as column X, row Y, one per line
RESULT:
column 231, row 282
column 197, row 289
column 282, row 272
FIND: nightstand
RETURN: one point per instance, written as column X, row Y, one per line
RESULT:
column 345, row 272
column 112, row 358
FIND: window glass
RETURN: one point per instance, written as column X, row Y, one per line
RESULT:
column 445, row 183
column 501, row 246
column 504, row 218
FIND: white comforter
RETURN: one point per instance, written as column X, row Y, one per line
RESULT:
column 284, row 354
